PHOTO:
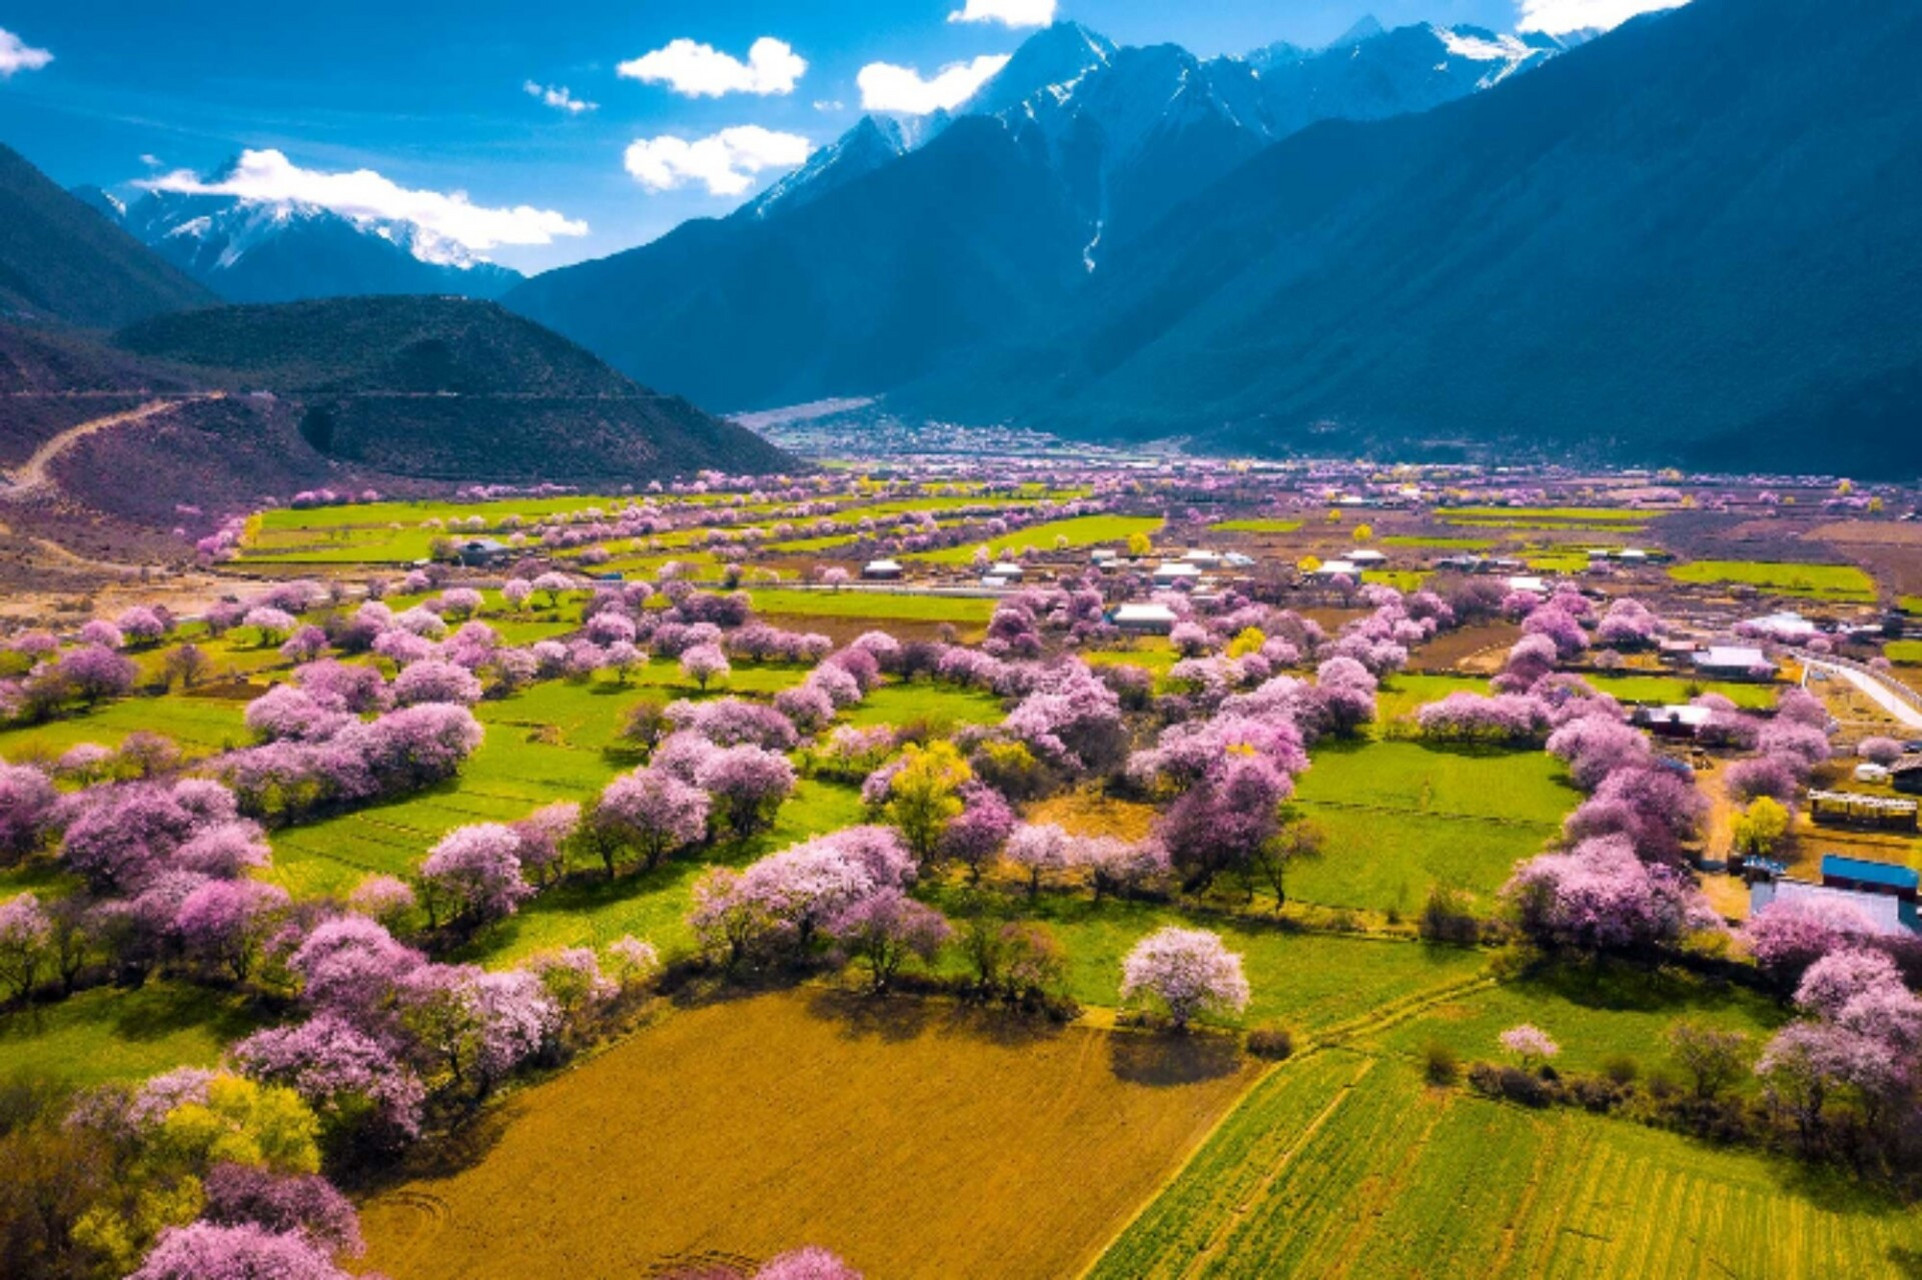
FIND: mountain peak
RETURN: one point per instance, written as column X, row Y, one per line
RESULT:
column 1052, row 58
column 1366, row 29
column 870, row 144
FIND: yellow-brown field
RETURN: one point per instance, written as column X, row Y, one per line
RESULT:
column 913, row 1139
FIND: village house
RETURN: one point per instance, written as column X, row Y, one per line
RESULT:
column 1144, row 619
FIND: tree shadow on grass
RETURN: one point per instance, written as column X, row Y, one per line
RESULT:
column 1621, row 987
column 1839, row 1190
column 1167, row 1061
column 158, row 1012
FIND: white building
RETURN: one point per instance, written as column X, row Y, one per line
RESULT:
column 1176, row 573
column 881, row 570
column 1145, row 619
column 1732, row 660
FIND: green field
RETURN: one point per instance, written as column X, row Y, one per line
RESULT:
column 1256, row 526
column 1439, row 543
column 1399, row 579
column 1081, row 531
column 654, row 905
column 1344, row 1164
column 1673, row 689
column 110, row 1034
column 1549, row 515
column 555, row 741
column 880, row 606
column 942, row 708
column 1402, row 817
column 1906, row 652
column 1838, row 582
column 1311, row 981
column 199, row 725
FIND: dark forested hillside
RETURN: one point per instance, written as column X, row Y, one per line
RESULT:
column 1705, row 223
column 61, row 260
column 863, row 287
column 448, row 388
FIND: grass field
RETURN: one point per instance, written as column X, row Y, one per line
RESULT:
column 1343, row 1164
column 1670, row 689
column 1081, row 531
column 1400, row 818
column 1838, row 582
column 1256, row 526
column 1549, row 515
column 912, row 1139
column 880, row 606
column 1311, row 981
column 1399, row 579
column 199, row 725
column 556, row 741
column 942, row 707
column 1439, row 543
column 1906, row 652
column 110, row 1034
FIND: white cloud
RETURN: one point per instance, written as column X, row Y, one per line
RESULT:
column 149, row 159
column 17, row 55
column 726, row 162
column 269, row 177
column 1009, row 13
column 886, row 87
column 560, row 97
column 830, row 104
column 702, row 71
column 1555, row 17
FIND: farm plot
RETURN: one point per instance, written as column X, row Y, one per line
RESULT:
column 1309, row 981
column 200, row 726
column 1255, row 526
column 909, row 1138
column 1842, row 583
column 875, row 606
column 1399, row 818
column 553, row 742
column 1344, row 1165
column 1671, row 689
column 1081, row 531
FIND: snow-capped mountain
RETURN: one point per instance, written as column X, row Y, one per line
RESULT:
column 1134, row 131
column 869, row 145
column 283, row 251
column 904, row 241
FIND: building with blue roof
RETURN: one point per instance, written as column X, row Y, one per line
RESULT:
column 1861, row 875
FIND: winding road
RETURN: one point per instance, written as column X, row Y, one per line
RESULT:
column 33, row 476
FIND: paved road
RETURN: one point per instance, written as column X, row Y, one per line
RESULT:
column 1905, row 712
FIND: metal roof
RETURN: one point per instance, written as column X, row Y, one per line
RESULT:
column 1868, row 872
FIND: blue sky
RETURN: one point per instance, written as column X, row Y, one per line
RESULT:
column 490, row 97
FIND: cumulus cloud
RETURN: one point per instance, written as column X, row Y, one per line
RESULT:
column 886, row 87
column 1009, row 13
column 559, row 97
column 17, row 55
column 702, row 71
column 269, row 177
column 1554, row 17
column 725, row 162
